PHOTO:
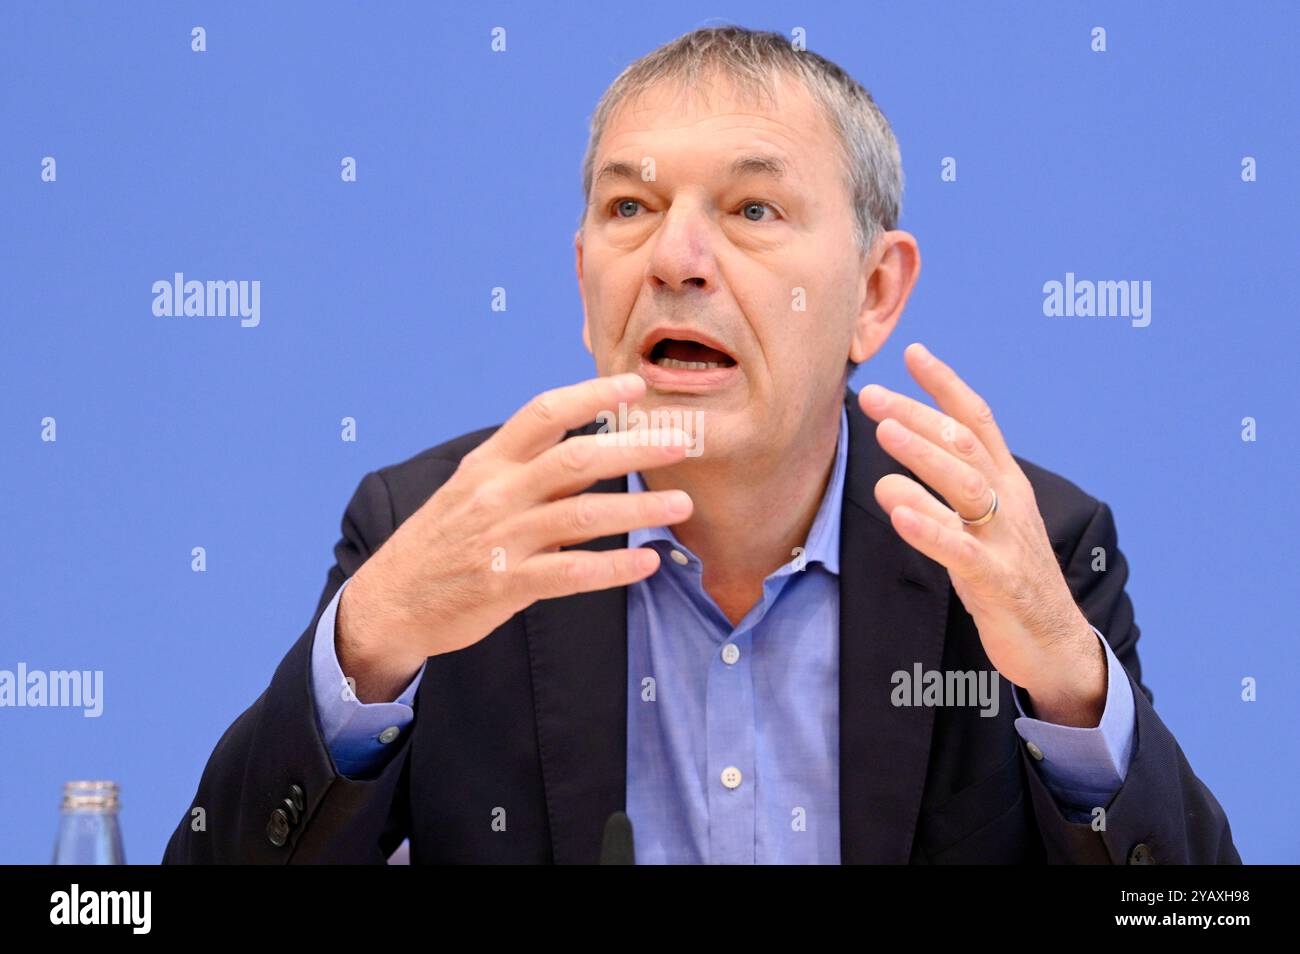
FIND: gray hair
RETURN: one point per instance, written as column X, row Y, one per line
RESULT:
column 752, row 59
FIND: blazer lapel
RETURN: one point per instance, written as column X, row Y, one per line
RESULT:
column 893, row 613
column 578, row 651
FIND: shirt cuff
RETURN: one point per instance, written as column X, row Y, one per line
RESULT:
column 358, row 735
column 1082, row 767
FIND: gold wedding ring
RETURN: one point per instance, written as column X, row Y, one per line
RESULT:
column 988, row 515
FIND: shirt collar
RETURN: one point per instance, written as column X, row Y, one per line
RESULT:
column 823, row 543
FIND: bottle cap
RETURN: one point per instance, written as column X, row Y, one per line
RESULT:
column 90, row 796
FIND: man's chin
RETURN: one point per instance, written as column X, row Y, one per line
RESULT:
column 714, row 429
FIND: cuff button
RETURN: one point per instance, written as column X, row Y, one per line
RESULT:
column 277, row 829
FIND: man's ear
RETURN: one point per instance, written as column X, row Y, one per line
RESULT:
column 888, row 275
column 582, row 292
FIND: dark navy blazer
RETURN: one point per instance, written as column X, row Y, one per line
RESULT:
column 534, row 716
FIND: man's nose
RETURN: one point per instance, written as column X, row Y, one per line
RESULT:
column 682, row 254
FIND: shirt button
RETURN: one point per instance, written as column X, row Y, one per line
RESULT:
column 679, row 557
column 1035, row 751
column 731, row 777
column 730, row 653
column 389, row 734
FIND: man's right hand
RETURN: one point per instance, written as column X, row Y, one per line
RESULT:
column 487, row 543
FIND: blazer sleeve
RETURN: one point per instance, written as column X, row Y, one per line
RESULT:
column 1162, row 813
column 270, row 793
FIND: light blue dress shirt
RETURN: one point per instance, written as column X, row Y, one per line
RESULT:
column 733, row 732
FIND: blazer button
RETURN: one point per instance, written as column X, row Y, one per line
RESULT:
column 1140, row 855
column 277, row 829
column 292, row 810
column 299, row 799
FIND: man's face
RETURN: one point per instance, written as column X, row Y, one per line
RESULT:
column 696, row 279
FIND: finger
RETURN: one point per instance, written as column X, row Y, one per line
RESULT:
column 563, row 523
column 543, row 421
column 964, row 487
column 551, row 575
column 942, row 430
column 957, row 398
column 961, row 553
column 579, row 462
column 893, row 490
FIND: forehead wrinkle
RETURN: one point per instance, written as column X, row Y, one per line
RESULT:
column 778, row 135
column 776, row 150
column 735, row 119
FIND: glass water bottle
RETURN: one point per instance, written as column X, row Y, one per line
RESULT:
column 88, row 832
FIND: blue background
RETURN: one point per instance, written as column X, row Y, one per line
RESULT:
column 175, row 433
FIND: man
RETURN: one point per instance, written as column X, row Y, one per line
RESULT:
column 806, row 638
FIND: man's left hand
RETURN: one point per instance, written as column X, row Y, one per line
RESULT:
column 1004, row 571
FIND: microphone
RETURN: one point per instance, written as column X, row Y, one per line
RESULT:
column 616, row 848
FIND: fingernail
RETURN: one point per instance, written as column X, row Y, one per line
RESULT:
column 627, row 383
column 875, row 395
column 895, row 431
column 677, row 502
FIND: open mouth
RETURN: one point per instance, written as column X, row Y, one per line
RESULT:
column 687, row 354
column 681, row 361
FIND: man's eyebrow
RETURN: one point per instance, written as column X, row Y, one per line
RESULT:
column 615, row 169
column 758, row 165
column 751, row 165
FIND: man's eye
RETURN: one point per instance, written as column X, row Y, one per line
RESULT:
column 626, row 208
column 754, row 210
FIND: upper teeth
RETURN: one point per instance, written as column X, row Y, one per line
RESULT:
column 688, row 365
